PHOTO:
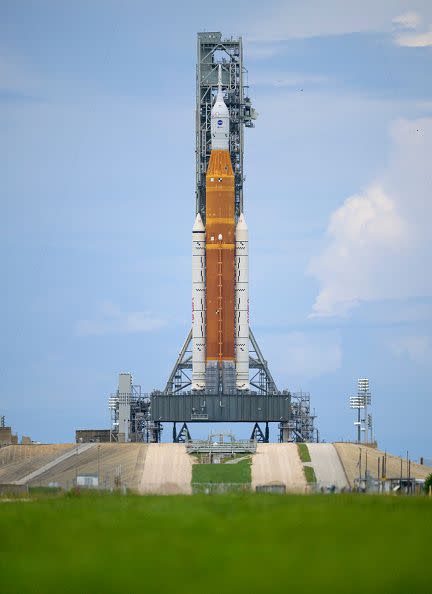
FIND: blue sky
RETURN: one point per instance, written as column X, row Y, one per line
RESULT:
column 97, row 107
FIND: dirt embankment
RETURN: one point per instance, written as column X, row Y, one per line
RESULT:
column 349, row 456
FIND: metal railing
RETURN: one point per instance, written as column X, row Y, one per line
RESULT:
column 206, row 447
column 220, row 488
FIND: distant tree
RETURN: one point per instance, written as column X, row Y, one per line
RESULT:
column 428, row 483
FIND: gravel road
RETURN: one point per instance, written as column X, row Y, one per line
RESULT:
column 167, row 469
column 327, row 465
column 276, row 463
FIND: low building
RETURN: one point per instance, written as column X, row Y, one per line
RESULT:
column 6, row 436
column 90, row 481
column 93, row 435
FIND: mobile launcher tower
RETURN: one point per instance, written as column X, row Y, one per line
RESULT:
column 220, row 374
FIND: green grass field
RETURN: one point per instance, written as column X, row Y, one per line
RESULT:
column 309, row 473
column 303, row 452
column 212, row 544
column 222, row 473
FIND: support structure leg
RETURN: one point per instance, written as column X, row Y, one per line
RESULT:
column 284, row 433
column 258, row 435
column 183, row 435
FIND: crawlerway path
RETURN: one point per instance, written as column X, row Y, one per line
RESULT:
column 327, row 465
column 167, row 470
column 278, row 463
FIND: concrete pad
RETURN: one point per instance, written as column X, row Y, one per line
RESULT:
column 167, row 470
column 327, row 465
column 278, row 463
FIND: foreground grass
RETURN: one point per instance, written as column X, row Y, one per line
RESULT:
column 243, row 544
column 44, row 491
column 222, row 473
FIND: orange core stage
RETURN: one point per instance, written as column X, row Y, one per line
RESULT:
column 220, row 248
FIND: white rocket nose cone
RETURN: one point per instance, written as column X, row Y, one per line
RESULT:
column 198, row 225
column 241, row 223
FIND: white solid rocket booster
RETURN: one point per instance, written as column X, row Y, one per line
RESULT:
column 198, row 305
column 242, row 304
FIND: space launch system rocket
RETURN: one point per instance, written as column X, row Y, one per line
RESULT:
column 220, row 285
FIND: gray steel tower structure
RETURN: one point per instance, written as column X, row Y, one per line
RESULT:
column 211, row 49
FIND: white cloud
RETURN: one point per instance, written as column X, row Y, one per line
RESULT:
column 415, row 39
column 287, row 79
column 299, row 356
column 407, row 20
column 295, row 20
column 411, row 20
column 416, row 348
column 365, row 228
column 261, row 51
column 112, row 320
column 378, row 243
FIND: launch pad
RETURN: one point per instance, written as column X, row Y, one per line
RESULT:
column 138, row 417
column 223, row 408
column 220, row 374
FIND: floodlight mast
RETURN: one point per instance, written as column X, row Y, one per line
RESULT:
column 361, row 402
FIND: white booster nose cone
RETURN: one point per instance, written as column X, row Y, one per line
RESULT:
column 219, row 119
